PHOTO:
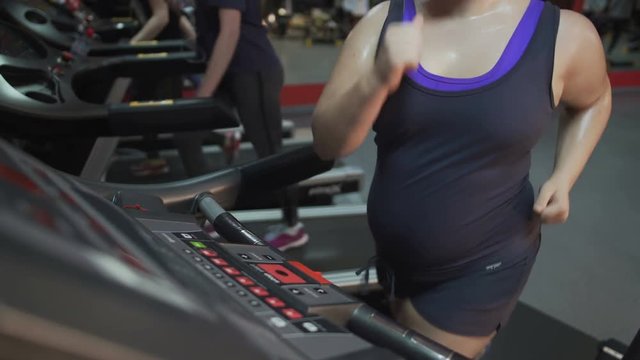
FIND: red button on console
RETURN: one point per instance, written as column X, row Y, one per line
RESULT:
column 245, row 281
column 292, row 314
column 219, row 262
column 209, row 253
column 275, row 302
column 259, row 291
column 282, row 274
column 231, row 270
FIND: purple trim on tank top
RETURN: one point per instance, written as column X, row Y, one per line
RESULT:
column 512, row 53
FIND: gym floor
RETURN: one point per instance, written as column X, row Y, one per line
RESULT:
column 588, row 270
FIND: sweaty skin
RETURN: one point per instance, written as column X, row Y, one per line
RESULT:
column 477, row 32
column 580, row 81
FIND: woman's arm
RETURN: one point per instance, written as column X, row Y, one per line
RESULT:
column 360, row 83
column 223, row 51
column 158, row 20
column 585, row 91
column 187, row 29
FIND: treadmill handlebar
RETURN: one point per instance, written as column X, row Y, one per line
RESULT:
column 281, row 170
column 225, row 224
column 268, row 174
column 377, row 329
column 154, row 117
column 141, row 47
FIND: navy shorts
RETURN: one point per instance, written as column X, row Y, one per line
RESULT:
column 474, row 303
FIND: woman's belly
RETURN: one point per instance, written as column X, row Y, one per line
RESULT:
column 438, row 222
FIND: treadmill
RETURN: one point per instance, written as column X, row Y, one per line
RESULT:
column 63, row 30
column 52, row 77
column 39, row 85
column 126, row 278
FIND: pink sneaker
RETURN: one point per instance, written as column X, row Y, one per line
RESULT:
column 283, row 237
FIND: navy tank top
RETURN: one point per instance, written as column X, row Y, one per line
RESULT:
column 451, row 188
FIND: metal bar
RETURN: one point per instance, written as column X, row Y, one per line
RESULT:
column 98, row 161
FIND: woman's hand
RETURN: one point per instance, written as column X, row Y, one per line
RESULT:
column 553, row 202
column 400, row 51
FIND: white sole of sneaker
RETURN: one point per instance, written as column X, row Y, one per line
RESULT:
column 303, row 240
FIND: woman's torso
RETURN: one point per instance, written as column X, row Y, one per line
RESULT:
column 451, row 186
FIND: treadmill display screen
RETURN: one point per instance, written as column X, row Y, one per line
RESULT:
column 15, row 44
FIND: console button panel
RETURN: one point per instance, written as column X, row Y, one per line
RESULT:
column 261, row 280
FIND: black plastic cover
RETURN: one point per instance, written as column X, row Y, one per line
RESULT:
column 278, row 171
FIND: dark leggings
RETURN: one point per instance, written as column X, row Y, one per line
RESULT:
column 256, row 97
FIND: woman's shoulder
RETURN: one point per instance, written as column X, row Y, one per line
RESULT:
column 377, row 15
column 576, row 32
column 370, row 26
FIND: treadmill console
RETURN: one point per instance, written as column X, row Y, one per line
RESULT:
column 284, row 295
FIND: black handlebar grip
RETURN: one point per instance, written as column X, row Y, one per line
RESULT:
column 233, row 231
column 280, row 170
column 141, row 48
column 167, row 116
column 224, row 223
column 379, row 330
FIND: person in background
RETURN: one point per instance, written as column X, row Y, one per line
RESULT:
column 165, row 22
column 244, row 68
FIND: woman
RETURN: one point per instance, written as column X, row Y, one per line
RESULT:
column 458, row 92
column 243, row 67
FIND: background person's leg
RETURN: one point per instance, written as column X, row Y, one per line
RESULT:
column 189, row 144
column 257, row 99
column 272, row 86
column 249, row 93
